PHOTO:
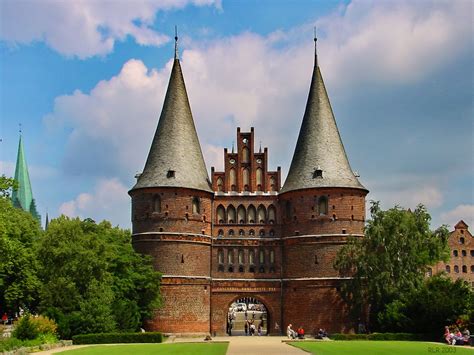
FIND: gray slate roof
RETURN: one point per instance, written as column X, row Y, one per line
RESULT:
column 319, row 146
column 176, row 145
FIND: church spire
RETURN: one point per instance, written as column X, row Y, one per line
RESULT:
column 175, row 158
column 23, row 196
column 315, row 48
column 319, row 159
column 176, row 53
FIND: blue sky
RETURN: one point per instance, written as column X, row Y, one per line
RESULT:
column 86, row 79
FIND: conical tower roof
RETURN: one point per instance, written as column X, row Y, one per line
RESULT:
column 175, row 158
column 319, row 159
column 23, row 196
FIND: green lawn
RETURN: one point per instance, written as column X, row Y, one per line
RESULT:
column 361, row 347
column 155, row 349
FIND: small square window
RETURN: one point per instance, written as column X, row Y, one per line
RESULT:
column 170, row 174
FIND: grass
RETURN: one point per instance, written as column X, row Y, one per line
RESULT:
column 155, row 349
column 362, row 347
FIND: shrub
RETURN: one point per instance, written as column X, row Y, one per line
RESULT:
column 10, row 344
column 25, row 329
column 114, row 338
column 44, row 325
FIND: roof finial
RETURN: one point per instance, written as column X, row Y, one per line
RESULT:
column 232, row 147
column 176, row 54
column 315, row 48
column 260, row 150
column 19, row 128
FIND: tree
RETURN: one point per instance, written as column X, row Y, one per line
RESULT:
column 6, row 186
column 93, row 281
column 437, row 303
column 19, row 231
column 390, row 261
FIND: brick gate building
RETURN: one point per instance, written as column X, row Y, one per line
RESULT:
column 240, row 233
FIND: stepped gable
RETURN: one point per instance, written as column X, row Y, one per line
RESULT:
column 175, row 158
column 319, row 159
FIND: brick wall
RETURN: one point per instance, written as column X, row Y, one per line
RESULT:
column 314, row 305
column 176, row 213
column 186, row 307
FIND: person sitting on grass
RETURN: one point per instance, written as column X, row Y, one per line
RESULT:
column 300, row 332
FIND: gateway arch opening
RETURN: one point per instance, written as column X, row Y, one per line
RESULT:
column 247, row 316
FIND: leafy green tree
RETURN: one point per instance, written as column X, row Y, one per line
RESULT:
column 390, row 261
column 93, row 280
column 437, row 303
column 19, row 231
column 6, row 186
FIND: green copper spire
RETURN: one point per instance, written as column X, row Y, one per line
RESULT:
column 23, row 197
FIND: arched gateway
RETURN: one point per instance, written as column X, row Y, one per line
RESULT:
column 247, row 316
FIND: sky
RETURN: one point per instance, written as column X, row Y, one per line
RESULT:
column 86, row 80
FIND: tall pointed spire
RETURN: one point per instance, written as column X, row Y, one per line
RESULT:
column 23, row 196
column 175, row 158
column 46, row 223
column 176, row 53
column 315, row 48
column 319, row 159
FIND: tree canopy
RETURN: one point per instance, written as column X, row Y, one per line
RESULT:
column 391, row 260
column 83, row 274
column 92, row 279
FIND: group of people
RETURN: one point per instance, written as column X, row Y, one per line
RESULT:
column 299, row 333
column 456, row 337
column 251, row 329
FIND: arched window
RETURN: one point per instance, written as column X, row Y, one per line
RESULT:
column 448, row 269
column 196, row 206
column 272, row 233
column 258, row 176
column 220, row 233
column 230, row 214
column 230, row 257
column 241, row 214
column 271, row 214
column 220, row 256
column 261, row 214
column 241, row 257
column 245, row 155
column 220, row 214
column 261, row 257
column 220, row 184
column 157, row 204
column 261, row 233
column 323, row 205
column 231, row 232
column 246, row 177
column 472, row 268
column 232, row 177
column 251, row 214
column 272, row 184
column 251, row 232
column 461, row 240
column 463, row 253
column 252, row 257
column 464, row 268
column 272, row 256
column 456, row 269
column 455, row 253
column 241, row 232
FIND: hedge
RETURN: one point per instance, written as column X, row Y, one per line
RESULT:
column 382, row 336
column 115, row 338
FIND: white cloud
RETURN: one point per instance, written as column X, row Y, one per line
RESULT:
column 406, row 191
column 461, row 212
column 86, row 28
column 109, row 200
column 251, row 80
